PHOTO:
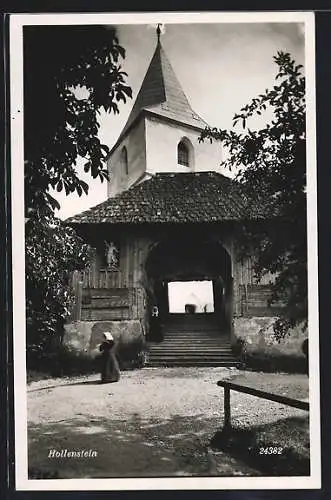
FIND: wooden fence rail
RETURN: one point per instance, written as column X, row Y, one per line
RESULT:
column 229, row 386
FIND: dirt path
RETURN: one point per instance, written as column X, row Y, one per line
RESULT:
column 153, row 422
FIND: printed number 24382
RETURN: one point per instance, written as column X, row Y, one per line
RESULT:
column 271, row 450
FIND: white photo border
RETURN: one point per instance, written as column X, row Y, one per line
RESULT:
column 17, row 21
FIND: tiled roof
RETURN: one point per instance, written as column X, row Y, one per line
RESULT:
column 174, row 198
column 162, row 94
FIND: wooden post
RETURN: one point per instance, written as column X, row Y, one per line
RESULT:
column 227, row 409
column 79, row 300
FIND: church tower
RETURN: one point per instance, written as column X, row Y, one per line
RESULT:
column 161, row 133
column 171, row 215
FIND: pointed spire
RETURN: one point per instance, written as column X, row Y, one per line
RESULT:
column 162, row 94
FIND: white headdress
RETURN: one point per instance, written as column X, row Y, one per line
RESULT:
column 108, row 336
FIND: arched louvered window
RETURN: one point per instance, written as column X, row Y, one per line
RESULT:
column 183, row 154
column 124, row 161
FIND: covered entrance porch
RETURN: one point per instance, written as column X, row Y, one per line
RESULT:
column 190, row 286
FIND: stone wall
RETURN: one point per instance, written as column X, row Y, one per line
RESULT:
column 85, row 336
column 124, row 303
column 258, row 335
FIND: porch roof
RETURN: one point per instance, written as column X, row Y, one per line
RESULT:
column 197, row 197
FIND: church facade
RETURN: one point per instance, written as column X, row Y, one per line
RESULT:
column 171, row 215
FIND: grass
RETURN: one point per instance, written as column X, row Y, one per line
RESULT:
column 290, row 437
column 284, row 384
column 63, row 361
column 35, row 376
column 273, row 361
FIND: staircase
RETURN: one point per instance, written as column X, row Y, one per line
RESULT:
column 192, row 340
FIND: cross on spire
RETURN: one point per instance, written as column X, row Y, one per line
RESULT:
column 158, row 32
column 161, row 93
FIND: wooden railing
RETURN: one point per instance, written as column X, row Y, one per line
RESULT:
column 229, row 386
column 102, row 278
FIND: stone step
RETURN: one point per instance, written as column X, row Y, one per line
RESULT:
column 195, row 335
column 195, row 352
column 187, row 359
column 192, row 361
column 184, row 323
column 180, row 349
column 193, row 345
column 200, row 363
column 202, row 352
column 193, row 324
column 191, row 321
column 215, row 331
column 181, row 324
column 197, row 340
column 190, row 333
column 191, row 355
column 199, row 331
column 202, row 333
column 188, row 343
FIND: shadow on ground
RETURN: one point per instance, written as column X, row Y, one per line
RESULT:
column 80, row 382
column 133, row 445
column 276, row 449
column 133, row 448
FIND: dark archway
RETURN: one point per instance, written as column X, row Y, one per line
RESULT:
column 190, row 257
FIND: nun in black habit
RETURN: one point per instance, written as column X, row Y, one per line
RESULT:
column 110, row 371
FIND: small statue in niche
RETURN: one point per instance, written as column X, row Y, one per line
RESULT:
column 155, row 312
column 111, row 255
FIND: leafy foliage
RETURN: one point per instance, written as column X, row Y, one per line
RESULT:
column 53, row 252
column 70, row 74
column 60, row 125
column 271, row 164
